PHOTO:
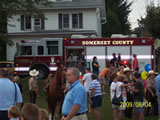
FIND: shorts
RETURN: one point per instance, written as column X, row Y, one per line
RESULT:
column 102, row 80
column 118, row 107
column 96, row 101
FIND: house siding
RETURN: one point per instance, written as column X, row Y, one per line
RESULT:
column 51, row 23
column 90, row 22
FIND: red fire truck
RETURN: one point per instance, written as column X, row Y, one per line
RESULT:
column 44, row 54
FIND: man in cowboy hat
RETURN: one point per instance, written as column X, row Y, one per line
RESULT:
column 127, row 72
column 151, row 92
column 33, row 86
column 157, row 81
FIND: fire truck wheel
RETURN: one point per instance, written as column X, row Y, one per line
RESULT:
column 43, row 72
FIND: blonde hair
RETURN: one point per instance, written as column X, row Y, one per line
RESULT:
column 14, row 111
column 43, row 114
column 121, row 77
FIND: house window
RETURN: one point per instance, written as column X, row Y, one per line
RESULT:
column 37, row 24
column 52, row 47
column 77, row 21
column 63, row 21
column 26, row 23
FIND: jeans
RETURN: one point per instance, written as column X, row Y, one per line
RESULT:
column 32, row 96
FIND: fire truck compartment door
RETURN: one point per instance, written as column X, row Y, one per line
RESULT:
column 99, row 52
column 144, row 55
column 124, row 50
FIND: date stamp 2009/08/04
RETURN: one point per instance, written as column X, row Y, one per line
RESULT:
column 135, row 104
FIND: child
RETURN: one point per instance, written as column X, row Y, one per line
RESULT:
column 13, row 113
column 43, row 114
column 30, row 112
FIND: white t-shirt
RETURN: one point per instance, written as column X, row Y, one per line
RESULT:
column 118, row 88
column 87, row 81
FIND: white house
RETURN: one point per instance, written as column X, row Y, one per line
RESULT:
column 64, row 19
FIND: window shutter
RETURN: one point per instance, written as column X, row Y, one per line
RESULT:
column 60, row 21
column 80, row 20
column 42, row 24
column 22, row 22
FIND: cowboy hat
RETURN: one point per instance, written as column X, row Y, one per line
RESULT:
column 151, row 72
column 127, row 69
column 33, row 72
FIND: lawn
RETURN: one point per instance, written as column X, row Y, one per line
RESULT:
column 105, row 110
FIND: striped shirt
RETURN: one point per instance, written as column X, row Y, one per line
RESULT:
column 95, row 84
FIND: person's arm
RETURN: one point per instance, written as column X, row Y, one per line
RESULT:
column 92, row 92
column 125, row 85
column 134, row 89
column 18, row 105
column 149, row 89
column 73, row 112
column 96, row 65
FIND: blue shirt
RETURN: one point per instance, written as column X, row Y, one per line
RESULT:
column 95, row 84
column 7, row 94
column 157, row 81
column 76, row 95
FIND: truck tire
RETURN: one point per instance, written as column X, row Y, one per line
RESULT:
column 43, row 72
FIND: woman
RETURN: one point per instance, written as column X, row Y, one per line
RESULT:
column 95, row 96
column 95, row 65
column 120, row 88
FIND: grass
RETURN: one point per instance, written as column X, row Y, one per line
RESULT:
column 105, row 110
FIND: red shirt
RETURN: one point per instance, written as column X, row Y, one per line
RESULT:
column 135, row 64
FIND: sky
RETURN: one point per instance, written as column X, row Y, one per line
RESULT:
column 138, row 9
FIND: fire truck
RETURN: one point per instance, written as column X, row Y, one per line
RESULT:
column 45, row 53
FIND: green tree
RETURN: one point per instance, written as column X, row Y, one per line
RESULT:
column 117, row 17
column 8, row 8
column 152, row 19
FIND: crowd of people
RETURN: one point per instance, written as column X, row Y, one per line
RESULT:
column 83, row 94
column 11, row 102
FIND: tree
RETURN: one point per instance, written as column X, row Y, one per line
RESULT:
column 151, row 20
column 117, row 17
column 8, row 8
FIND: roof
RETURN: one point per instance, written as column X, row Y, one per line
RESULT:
column 53, row 32
column 75, row 4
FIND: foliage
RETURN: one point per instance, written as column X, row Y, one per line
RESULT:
column 117, row 17
column 151, row 20
column 8, row 8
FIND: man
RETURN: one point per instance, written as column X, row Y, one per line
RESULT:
column 103, row 76
column 86, row 82
column 75, row 102
column 135, row 63
column 83, row 62
column 151, row 93
column 9, row 93
column 33, row 87
column 113, row 60
column 157, row 82
column 87, row 79
column 138, row 91
column 71, row 61
column 127, row 73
